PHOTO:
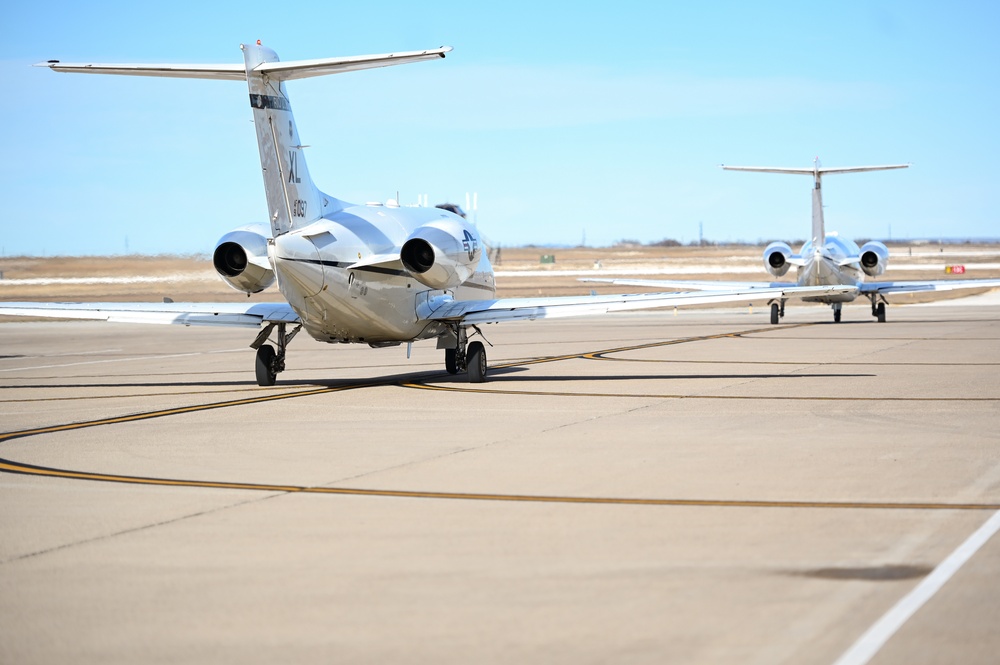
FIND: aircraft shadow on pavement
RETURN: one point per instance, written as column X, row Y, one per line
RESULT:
column 435, row 378
column 536, row 376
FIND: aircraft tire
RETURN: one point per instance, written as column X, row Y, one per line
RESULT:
column 836, row 316
column 476, row 357
column 266, row 376
column 775, row 313
column 880, row 312
column 451, row 360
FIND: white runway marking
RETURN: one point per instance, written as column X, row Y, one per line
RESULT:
column 875, row 637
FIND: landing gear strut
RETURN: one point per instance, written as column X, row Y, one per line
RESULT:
column 466, row 357
column 270, row 361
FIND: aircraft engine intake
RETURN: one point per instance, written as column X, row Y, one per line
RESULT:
column 776, row 258
column 441, row 255
column 240, row 257
column 874, row 258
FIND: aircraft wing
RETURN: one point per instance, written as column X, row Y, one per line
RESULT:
column 687, row 284
column 922, row 287
column 247, row 315
column 445, row 308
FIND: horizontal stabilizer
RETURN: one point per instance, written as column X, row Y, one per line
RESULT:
column 235, row 72
column 278, row 71
column 819, row 170
column 298, row 69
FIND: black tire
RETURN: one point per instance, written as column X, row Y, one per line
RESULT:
column 266, row 375
column 775, row 313
column 880, row 312
column 451, row 360
column 476, row 359
column 836, row 316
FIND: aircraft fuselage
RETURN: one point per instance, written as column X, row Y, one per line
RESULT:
column 321, row 271
column 823, row 267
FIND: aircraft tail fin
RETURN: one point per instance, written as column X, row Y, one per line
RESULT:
column 817, row 171
column 292, row 198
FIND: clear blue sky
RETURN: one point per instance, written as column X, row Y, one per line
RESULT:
column 608, row 119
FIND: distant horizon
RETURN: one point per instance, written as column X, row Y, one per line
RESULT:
column 207, row 255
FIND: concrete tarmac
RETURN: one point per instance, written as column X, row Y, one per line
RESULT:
column 645, row 488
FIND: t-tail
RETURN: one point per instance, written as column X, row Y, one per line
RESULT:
column 817, row 172
column 292, row 198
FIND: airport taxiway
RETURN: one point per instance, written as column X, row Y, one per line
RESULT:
column 701, row 487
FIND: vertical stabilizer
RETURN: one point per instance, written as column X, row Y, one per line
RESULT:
column 292, row 199
column 818, row 230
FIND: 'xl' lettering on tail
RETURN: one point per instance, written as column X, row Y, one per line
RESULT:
column 293, row 167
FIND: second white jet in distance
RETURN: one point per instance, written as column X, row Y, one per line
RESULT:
column 826, row 259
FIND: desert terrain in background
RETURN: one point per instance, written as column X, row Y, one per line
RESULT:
column 521, row 271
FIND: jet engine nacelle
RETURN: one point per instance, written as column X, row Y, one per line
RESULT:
column 241, row 258
column 442, row 254
column 874, row 258
column 776, row 258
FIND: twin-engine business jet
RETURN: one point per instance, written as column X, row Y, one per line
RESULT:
column 825, row 259
column 373, row 274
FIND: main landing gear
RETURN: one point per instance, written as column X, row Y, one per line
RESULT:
column 466, row 357
column 878, row 309
column 270, row 361
column 777, row 311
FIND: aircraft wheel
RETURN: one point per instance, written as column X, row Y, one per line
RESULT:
column 775, row 313
column 476, row 357
column 836, row 316
column 880, row 312
column 266, row 375
column 451, row 360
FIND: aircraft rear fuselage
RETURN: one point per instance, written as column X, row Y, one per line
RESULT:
column 823, row 267
column 321, row 270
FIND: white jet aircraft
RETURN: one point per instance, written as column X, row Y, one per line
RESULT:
column 374, row 274
column 825, row 259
